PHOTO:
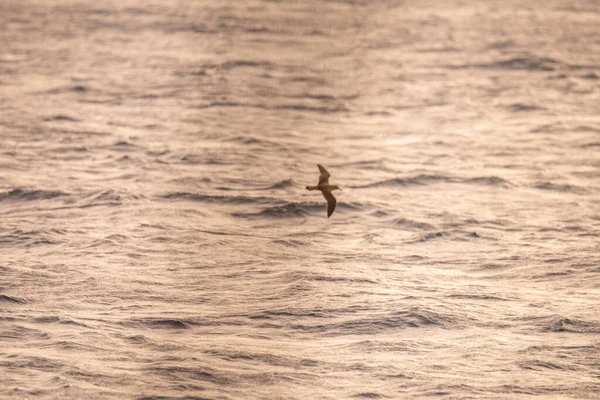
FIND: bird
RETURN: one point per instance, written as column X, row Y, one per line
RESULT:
column 326, row 189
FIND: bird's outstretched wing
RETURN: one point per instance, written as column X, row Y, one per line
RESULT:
column 331, row 201
column 324, row 177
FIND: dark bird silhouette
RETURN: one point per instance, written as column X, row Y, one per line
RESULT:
column 326, row 189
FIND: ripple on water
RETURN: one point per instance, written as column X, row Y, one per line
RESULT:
column 8, row 299
column 19, row 194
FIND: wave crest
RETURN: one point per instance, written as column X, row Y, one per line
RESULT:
column 411, row 181
column 30, row 195
column 295, row 210
column 410, row 225
column 9, row 299
column 424, row 179
column 215, row 198
column 560, row 188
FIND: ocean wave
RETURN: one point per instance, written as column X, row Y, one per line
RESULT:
column 137, row 339
column 71, row 346
column 369, row 395
column 66, row 89
column 324, row 109
column 410, row 225
column 520, row 107
column 29, row 238
column 560, row 188
column 563, row 324
column 293, row 210
column 297, row 276
column 286, row 183
column 30, row 195
column 246, row 64
column 378, row 164
column 558, row 323
column 197, row 159
column 384, row 346
column 276, row 186
column 290, row 242
column 289, row 210
column 591, row 76
column 21, row 333
column 251, row 141
column 168, row 324
column 61, row 118
column 180, row 323
column 426, row 237
column 123, row 145
column 216, row 199
column 413, row 318
column 265, row 358
column 8, row 299
column 29, row 363
column 423, row 179
column 108, row 197
column 292, row 314
column 590, row 144
column 379, row 213
column 537, row 365
column 530, row 63
column 411, row 181
column 180, row 372
column 490, row 181
column 329, row 278
column 56, row 319
column 477, row 297
column 454, row 235
column 69, row 149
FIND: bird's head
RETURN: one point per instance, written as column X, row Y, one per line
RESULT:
column 334, row 187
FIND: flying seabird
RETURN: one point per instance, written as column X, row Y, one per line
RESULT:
column 326, row 189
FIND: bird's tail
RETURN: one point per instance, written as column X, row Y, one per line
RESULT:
column 312, row 188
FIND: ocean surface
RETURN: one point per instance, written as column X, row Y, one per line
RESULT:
column 157, row 240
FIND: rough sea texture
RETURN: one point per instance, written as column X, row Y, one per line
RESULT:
column 157, row 240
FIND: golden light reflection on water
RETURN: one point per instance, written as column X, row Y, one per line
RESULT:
column 158, row 240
